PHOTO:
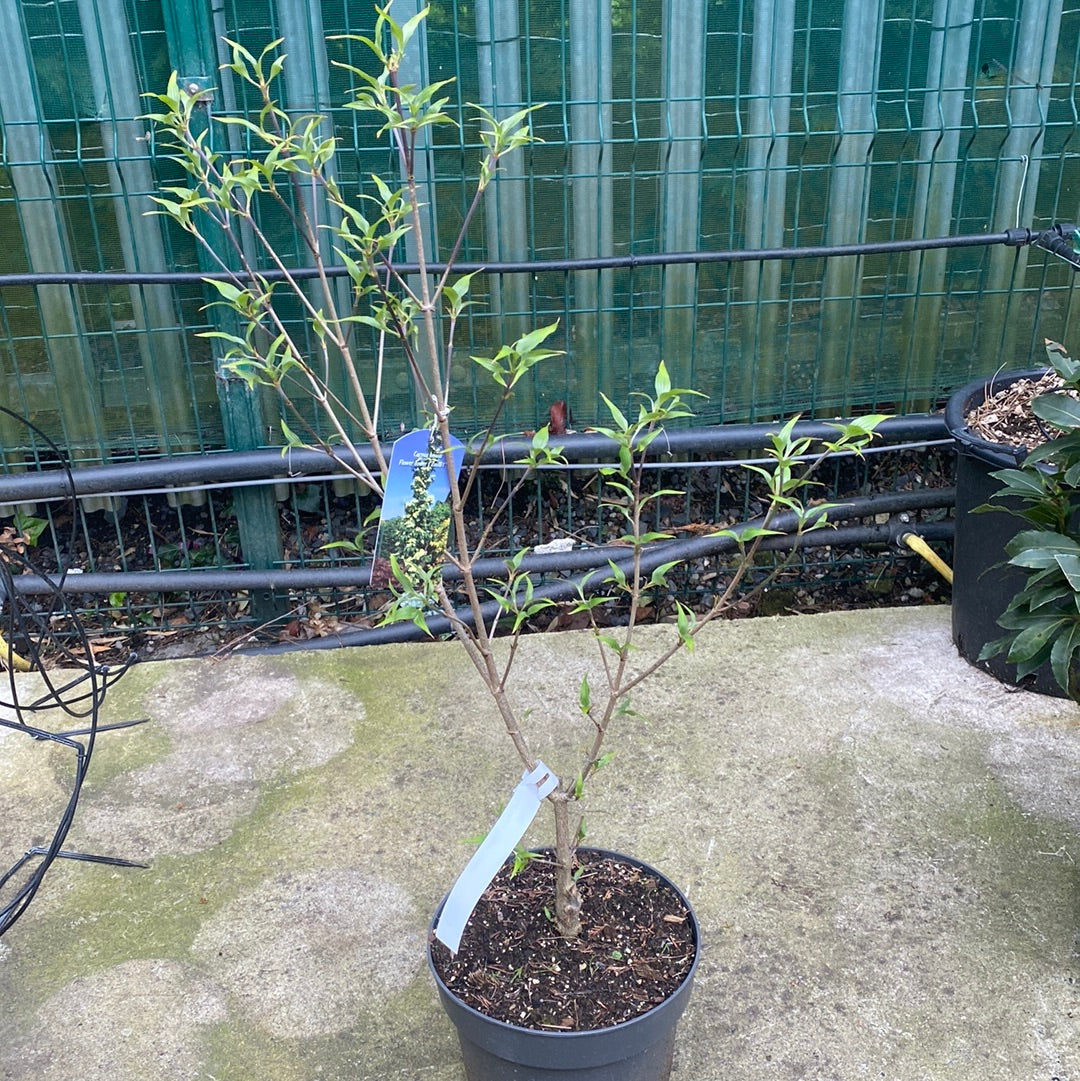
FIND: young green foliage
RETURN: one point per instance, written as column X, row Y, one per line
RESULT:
column 289, row 171
column 1042, row 620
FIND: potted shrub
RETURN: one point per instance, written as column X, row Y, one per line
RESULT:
column 433, row 567
column 1018, row 456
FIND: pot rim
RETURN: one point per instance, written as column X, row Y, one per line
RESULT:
column 622, row 1026
column 964, row 398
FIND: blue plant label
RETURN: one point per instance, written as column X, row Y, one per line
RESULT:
column 510, row 827
column 415, row 520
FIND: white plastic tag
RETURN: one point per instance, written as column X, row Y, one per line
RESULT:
column 492, row 853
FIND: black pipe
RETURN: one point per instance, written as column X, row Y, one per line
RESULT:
column 220, row 469
column 359, row 577
column 656, row 555
column 1011, row 237
column 1059, row 241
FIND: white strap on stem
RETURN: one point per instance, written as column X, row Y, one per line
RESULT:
column 491, row 855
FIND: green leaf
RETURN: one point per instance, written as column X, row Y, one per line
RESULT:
column 1059, row 409
column 684, row 621
column 30, row 526
column 1040, row 597
column 457, row 291
column 1061, row 362
column 1034, row 639
column 1062, row 655
column 662, row 382
column 1062, row 448
column 1038, row 549
column 616, row 413
column 747, row 534
column 530, row 342
column 1069, row 562
column 291, row 438
column 659, row 575
column 587, row 604
column 229, row 291
column 1021, row 483
column 522, row 858
column 617, row 574
column 410, row 27
column 996, row 647
column 648, row 538
column 585, row 696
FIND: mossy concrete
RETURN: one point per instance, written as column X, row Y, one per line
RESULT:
column 881, row 844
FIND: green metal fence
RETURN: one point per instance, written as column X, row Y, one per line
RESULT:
column 672, row 126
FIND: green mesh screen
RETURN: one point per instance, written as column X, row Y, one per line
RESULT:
column 677, row 126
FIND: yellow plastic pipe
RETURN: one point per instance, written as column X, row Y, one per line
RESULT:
column 12, row 659
column 917, row 544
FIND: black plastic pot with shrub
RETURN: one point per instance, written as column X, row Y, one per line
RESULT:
column 1017, row 558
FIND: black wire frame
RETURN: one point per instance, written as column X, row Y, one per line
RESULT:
column 34, row 629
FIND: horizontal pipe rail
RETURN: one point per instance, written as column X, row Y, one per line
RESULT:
column 222, row 468
column 1010, row 237
column 655, row 555
column 359, row 577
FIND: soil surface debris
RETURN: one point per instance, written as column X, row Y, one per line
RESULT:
column 636, row 948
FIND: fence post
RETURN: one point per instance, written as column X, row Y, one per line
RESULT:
column 593, row 208
column 1027, row 78
column 192, row 52
column 947, row 70
column 127, row 153
column 414, row 71
column 506, row 218
column 760, row 367
column 849, row 196
column 29, row 159
column 682, row 143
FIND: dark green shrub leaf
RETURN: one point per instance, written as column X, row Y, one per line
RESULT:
column 1034, row 640
column 1038, row 549
column 1059, row 409
column 1062, row 654
column 1069, row 562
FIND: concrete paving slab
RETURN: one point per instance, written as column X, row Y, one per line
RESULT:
column 881, row 844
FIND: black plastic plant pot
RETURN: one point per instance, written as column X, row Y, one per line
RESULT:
column 640, row 1049
column 983, row 582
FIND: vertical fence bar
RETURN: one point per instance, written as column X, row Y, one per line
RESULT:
column 684, row 25
column 189, row 31
column 947, row 76
column 506, row 217
column 307, row 90
column 415, row 71
column 28, row 157
column 116, row 92
column 766, row 189
column 1027, row 94
column 849, row 191
column 591, row 161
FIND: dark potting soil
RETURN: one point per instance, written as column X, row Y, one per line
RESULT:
column 636, row 948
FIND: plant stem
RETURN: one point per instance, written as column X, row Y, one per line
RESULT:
column 567, row 896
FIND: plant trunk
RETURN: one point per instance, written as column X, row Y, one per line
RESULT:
column 567, row 898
